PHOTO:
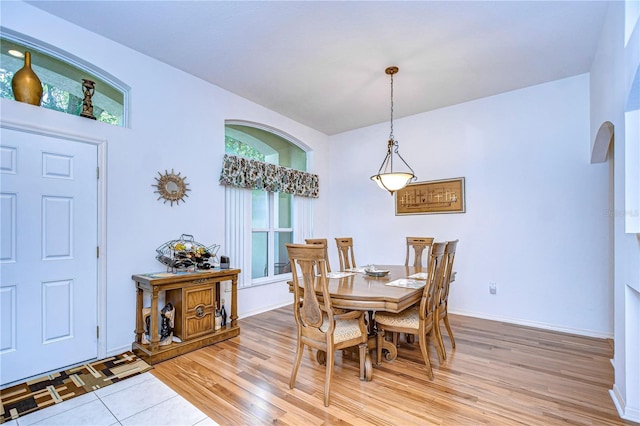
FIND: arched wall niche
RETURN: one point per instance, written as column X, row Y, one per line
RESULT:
column 604, row 139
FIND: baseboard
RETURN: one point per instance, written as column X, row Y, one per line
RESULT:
column 545, row 326
column 626, row 413
column 118, row 351
column 265, row 309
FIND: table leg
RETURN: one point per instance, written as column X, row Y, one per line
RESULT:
column 154, row 337
column 234, row 301
column 139, row 321
column 381, row 345
column 371, row 324
column 392, row 350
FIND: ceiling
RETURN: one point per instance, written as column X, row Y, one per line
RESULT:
column 322, row 63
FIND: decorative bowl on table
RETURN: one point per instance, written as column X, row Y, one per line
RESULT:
column 372, row 271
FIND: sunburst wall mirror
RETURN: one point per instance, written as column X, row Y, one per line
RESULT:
column 172, row 187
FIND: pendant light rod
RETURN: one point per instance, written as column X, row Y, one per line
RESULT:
column 391, row 71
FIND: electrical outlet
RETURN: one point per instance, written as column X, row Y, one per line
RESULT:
column 493, row 288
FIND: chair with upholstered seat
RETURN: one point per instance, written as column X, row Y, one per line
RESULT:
column 419, row 246
column 418, row 319
column 323, row 243
column 443, row 300
column 317, row 325
column 345, row 253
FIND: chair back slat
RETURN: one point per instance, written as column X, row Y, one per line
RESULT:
column 443, row 296
column 322, row 242
column 345, row 253
column 431, row 290
column 419, row 245
column 305, row 259
column 449, row 256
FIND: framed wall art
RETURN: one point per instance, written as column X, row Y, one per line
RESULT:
column 430, row 197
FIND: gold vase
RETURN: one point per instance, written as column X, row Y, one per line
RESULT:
column 26, row 85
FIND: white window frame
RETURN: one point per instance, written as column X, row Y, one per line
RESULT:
column 271, row 231
column 238, row 232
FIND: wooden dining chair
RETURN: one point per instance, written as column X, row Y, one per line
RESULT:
column 323, row 243
column 345, row 253
column 417, row 245
column 418, row 319
column 443, row 300
column 318, row 326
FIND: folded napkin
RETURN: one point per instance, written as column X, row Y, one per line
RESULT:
column 406, row 283
column 360, row 270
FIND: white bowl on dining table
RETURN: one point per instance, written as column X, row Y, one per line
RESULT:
column 372, row 271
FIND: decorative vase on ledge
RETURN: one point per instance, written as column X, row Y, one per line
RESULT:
column 26, row 85
column 88, row 88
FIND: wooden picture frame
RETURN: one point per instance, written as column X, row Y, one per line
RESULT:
column 431, row 197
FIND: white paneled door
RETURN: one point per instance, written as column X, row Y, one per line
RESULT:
column 48, row 261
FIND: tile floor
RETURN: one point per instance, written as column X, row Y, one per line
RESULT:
column 140, row 400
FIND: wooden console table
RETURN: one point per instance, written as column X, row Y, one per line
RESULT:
column 194, row 296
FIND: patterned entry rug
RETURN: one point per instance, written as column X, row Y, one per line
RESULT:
column 42, row 392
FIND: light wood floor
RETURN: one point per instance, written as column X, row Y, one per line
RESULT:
column 499, row 374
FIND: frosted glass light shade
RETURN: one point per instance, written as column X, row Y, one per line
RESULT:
column 392, row 181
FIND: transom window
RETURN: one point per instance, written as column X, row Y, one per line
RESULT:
column 61, row 82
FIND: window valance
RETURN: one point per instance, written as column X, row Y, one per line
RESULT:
column 247, row 173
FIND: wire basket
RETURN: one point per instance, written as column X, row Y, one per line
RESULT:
column 186, row 254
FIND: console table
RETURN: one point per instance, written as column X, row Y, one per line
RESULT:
column 194, row 296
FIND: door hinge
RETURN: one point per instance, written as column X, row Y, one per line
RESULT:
column 97, row 332
column 98, row 251
column 97, row 172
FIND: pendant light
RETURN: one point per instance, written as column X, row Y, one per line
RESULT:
column 387, row 178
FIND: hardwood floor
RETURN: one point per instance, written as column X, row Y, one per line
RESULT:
column 499, row 374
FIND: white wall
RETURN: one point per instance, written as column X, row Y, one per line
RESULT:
column 612, row 70
column 185, row 134
column 536, row 220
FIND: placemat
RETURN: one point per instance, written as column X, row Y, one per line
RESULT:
column 419, row 275
column 339, row 274
column 403, row 282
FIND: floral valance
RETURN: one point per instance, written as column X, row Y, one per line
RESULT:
column 246, row 173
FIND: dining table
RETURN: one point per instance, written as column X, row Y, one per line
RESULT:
column 395, row 291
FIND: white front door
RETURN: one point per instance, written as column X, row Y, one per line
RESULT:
column 48, row 260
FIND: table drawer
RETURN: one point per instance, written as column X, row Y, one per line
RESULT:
column 194, row 326
column 195, row 307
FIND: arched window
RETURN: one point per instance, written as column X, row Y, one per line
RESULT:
column 61, row 79
column 277, row 217
column 263, row 145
